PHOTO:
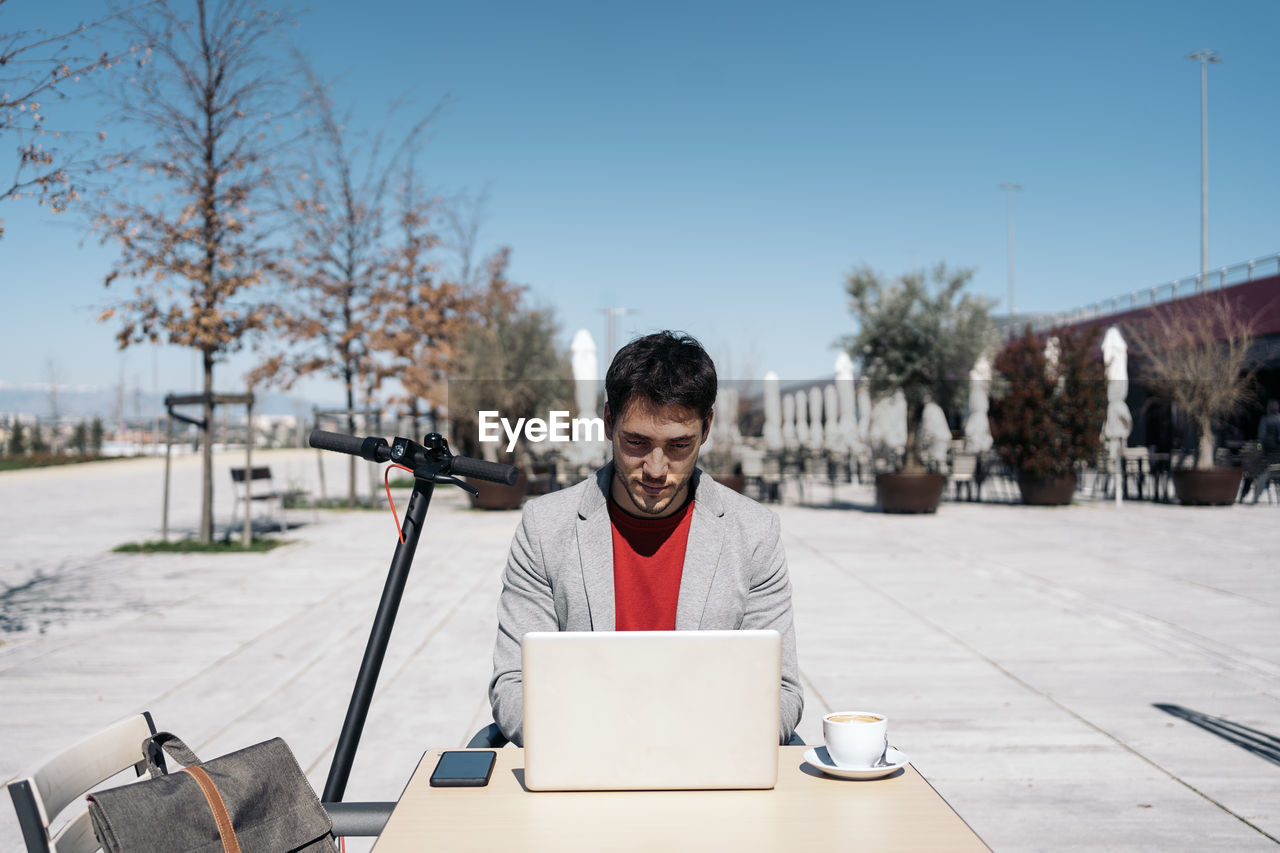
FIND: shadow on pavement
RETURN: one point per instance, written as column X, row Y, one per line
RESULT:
column 841, row 505
column 1259, row 743
column 262, row 528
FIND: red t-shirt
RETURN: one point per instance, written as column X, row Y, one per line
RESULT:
column 648, row 559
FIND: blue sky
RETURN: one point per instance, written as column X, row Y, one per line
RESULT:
column 719, row 167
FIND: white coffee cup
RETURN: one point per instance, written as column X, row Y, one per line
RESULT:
column 856, row 740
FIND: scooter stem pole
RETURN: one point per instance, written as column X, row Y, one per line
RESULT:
column 379, row 637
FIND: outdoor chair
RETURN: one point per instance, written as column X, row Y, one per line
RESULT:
column 964, row 472
column 1160, row 468
column 771, row 478
column 1102, row 469
column 1268, row 481
column 753, row 472
column 1256, row 465
column 247, row 493
column 863, row 462
column 42, row 797
column 1137, row 465
column 994, row 470
column 792, row 469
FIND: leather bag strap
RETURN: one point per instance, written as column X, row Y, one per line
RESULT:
column 230, row 844
column 155, row 746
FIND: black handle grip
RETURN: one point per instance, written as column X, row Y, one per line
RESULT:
column 481, row 469
column 373, row 448
column 336, row 441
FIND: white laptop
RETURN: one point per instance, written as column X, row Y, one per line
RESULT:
column 651, row 710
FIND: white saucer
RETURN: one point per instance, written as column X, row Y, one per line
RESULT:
column 817, row 757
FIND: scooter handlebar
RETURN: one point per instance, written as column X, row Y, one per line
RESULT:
column 373, row 449
column 377, row 450
column 336, row 441
column 482, row 469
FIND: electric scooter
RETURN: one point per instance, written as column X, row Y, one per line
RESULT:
column 432, row 463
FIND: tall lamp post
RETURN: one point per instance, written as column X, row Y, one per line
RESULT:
column 611, row 314
column 1011, row 188
column 1205, row 57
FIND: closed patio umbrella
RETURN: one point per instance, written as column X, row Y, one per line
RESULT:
column 977, row 426
column 772, row 412
column 1119, row 423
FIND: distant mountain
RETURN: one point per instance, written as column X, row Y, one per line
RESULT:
column 133, row 405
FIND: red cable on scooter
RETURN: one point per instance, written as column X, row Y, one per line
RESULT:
column 386, row 479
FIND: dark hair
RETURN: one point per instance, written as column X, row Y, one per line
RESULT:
column 666, row 368
column 1273, row 407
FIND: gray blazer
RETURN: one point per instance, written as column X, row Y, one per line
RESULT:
column 559, row 577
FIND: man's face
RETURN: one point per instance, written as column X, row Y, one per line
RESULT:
column 655, row 449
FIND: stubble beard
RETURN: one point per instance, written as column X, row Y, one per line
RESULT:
column 641, row 509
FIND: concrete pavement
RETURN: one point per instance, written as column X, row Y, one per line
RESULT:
column 1088, row 677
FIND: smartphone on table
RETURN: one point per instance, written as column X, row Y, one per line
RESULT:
column 463, row 768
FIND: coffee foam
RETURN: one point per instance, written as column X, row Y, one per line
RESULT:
column 854, row 718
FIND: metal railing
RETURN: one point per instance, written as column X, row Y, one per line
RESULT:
column 1267, row 265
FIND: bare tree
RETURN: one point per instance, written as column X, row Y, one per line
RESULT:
column 424, row 315
column 335, row 296
column 37, row 67
column 463, row 216
column 507, row 361
column 189, row 211
column 1196, row 355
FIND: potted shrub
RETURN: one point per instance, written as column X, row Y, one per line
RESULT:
column 1048, row 410
column 1195, row 355
column 919, row 334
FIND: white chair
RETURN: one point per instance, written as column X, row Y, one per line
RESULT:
column 753, row 471
column 862, row 463
column 1103, row 468
column 964, row 472
column 1137, row 465
column 41, row 797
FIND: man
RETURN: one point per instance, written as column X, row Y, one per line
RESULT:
column 1269, row 438
column 1269, row 428
column 649, row 542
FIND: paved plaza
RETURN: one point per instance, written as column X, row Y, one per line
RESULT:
column 1089, row 677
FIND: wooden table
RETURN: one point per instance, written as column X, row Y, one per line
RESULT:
column 806, row 811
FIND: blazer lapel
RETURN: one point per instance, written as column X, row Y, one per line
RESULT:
column 595, row 553
column 701, row 556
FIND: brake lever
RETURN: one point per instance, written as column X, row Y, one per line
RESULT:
column 443, row 480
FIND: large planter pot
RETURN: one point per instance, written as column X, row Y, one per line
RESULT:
column 1211, row 487
column 498, row 495
column 909, row 493
column 544, row 478
column 1047, row 491
column 737, row 482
